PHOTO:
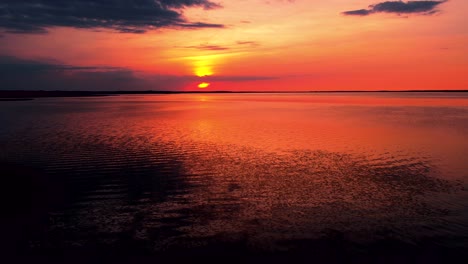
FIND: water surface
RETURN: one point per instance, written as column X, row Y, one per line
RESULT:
column 237, row 173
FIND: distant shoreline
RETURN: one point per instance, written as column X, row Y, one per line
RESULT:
column 15, row 99
column 22, row 95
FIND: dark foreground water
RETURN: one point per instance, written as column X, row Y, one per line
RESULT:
column 322, row 177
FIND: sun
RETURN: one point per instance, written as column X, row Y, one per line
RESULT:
column 203, row 71
column 203, row 66
column 203, row 85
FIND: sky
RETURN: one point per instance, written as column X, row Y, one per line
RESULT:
column 235, row 45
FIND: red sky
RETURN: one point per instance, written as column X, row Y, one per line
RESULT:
column 247, row 45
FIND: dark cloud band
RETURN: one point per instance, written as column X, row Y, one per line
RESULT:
column 127, row 16
column 398, row 7
column 21, row 74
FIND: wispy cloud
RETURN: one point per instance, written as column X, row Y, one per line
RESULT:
column 398, row 7
column 233, row 46
column 207, row 47
column 130, row 16
column 237, row 78
column 248, row 43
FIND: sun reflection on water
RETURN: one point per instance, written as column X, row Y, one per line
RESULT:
column 203, row 85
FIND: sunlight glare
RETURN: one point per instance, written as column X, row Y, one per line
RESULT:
column 202, row 71
column 203, row 65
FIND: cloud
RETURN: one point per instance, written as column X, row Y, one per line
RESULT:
column 248, row 43
column 398, row 7
column 237, row 78
column 21, row 74
column 207, row 47
column 126, row 16
column 199, row 25
column 359, row 12
column 219, row 48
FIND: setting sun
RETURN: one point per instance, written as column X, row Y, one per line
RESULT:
column 203, row 65
column 203, row 85
column 203, row 71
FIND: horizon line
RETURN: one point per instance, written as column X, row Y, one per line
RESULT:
column 19, row 94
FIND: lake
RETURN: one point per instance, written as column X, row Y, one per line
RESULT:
column 329, row 176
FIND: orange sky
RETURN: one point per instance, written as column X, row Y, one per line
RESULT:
column 273, row 45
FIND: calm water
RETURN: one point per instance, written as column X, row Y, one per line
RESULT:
column 236, row 172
